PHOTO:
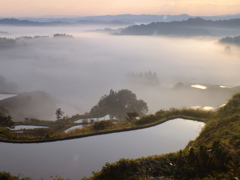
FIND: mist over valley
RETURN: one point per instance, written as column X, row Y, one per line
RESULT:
column 100, row 90
column 79, row 70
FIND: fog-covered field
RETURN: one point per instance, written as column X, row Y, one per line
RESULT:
column 80, row 70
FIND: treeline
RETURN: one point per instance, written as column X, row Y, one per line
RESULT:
column 7, row 42
column 146, row 77
column 31, row 37
column 230, row 40
column 63, row 35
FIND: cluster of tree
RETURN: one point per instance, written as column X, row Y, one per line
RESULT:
column 230, row 40
column 6, row 121
column 5, row 118
column 7, row 42
column 63, row 35
column 147, row 77
column 31, row 37
column 118, row 104
column 7, row 176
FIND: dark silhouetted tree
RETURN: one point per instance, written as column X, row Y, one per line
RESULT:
column 6, row 121
column 118, row 104
column 59, row 113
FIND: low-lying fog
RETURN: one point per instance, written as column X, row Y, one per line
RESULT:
column 80, row 70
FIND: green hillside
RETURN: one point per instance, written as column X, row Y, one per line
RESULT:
column 213, row 155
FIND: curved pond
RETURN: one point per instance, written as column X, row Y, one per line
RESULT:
column 77, row 158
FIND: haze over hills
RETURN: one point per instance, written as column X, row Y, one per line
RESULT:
column 143, row 18
column 190, row 27
column 108, row 19
column 19, row 22
column 37, row 104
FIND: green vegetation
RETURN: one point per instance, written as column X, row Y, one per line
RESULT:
column 8, row 176
column 6, row 121
column 213, row 155
column 194, row 164
column 118, row 104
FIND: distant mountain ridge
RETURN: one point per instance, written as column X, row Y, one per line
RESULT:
column 117, row 19
column 143, row 18
column 190, row 27
column 17, row 22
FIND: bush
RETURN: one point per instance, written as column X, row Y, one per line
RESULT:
column 101, row 125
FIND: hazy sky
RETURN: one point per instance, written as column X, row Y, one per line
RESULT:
column 23, row 8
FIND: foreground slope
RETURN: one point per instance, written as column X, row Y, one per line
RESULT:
column 213, row 155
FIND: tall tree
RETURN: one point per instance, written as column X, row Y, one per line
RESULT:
column 59, row 113
column 118, row 104
column 6, row 121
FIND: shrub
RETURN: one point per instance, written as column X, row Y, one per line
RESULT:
column 101, row 125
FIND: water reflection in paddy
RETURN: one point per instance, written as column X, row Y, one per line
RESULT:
column 19, row 127
column 5, row 96
column 79, row 157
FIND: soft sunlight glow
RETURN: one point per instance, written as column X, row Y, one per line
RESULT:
column 23, row 8
column 225, row 87
column 199, row 86
column 208, row 108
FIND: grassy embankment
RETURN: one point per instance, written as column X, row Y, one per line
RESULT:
column 55, row 130
column 215, row 154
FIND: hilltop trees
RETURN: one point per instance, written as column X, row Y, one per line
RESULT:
column 118, row 104
column 7, row 43
column 230, row 40
column 6, row 121
column 149, row 78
